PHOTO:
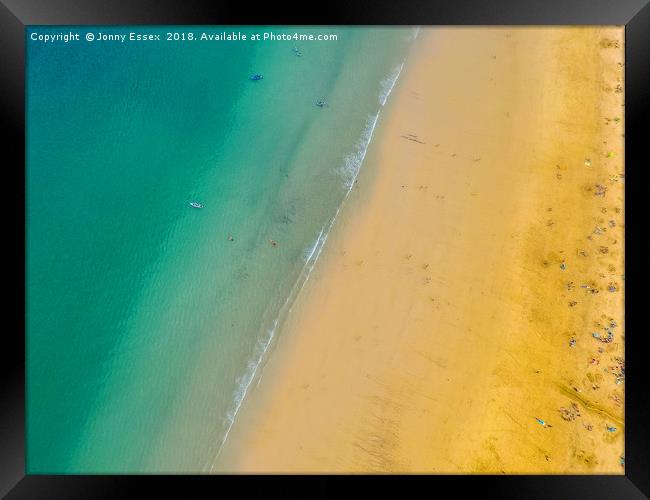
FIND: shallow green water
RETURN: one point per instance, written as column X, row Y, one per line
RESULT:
column 144, row 322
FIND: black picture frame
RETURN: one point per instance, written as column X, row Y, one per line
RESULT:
column 16, row 15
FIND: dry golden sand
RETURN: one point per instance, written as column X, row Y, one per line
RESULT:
column 436, row 326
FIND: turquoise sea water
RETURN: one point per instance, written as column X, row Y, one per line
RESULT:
column 145, row 324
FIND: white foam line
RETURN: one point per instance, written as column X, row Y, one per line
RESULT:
column 384, row 98
column 300, row 282
column 315, row 245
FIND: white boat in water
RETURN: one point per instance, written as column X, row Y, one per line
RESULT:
column 196, row 204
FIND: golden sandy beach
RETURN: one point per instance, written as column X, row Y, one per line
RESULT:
column 448, row 326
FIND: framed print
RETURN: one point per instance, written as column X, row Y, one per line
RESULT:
column 368, row 242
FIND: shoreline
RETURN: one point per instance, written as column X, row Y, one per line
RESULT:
column 305, row 273
column 431, row 338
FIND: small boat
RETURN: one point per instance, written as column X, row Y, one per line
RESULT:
column 196, row 204
column 296, row 51
column 256, row 77
column 321, row 104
